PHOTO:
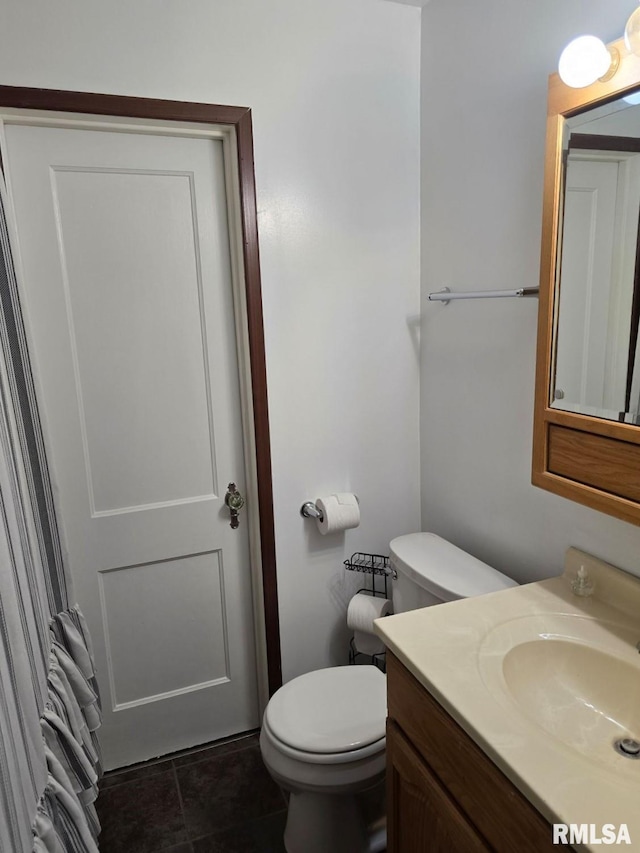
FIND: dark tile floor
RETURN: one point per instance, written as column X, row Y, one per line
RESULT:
column 215, row 799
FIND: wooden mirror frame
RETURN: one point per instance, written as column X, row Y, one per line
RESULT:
column 586, row 459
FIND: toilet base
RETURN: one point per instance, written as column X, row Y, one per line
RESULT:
column 317, row 823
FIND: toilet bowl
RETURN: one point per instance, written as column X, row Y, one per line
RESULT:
column 323, row 733
column 323, row 741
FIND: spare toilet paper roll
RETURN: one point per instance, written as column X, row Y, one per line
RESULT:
column 339, row 512
column 362, row 610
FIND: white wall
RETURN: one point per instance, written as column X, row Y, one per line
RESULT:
column 484, row 79
column 334, row 89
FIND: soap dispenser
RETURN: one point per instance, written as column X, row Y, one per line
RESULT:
column 582, row 584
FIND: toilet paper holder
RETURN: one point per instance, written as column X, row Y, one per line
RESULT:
column 371, row 564
column 310, row 510
column 378, row 567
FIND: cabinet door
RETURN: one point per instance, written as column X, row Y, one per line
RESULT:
column 422, row 816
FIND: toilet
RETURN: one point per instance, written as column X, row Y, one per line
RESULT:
column 323, row 733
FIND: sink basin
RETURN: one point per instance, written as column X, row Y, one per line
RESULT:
column 575, row 677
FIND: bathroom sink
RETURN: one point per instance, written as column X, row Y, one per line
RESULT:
column 546, row 682
column 575, row 677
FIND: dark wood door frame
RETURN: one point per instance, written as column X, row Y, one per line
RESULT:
column 56, row 100
column 601, row 142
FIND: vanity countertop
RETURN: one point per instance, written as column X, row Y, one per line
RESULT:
column 515, row 708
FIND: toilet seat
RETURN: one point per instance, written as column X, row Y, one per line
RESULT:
column 329, row 713
column 353, row 755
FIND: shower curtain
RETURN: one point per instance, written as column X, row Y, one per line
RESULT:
column 49, row 699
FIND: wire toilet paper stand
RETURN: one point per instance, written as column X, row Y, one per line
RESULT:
column 380, row 570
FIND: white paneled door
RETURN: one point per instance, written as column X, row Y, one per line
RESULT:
column 126, row 275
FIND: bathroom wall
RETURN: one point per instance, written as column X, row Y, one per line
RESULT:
column 484, row 78
column 334, row 89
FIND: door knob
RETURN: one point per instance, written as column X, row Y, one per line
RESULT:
column 234, row 500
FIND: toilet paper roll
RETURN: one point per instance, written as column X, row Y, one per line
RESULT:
column 339, row 512
column 368, row 644
column 362, row 610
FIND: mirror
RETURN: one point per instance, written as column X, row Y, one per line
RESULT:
column 597, row 363
column 586, row 437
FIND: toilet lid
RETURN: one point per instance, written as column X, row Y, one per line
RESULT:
column 330, row 710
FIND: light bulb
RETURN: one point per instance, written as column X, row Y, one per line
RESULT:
column 632, row 33
column 583, row 61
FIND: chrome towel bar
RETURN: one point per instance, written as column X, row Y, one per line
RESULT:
column 446, row 296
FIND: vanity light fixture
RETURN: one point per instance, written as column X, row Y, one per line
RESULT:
column 632, row 33
column 587, row 59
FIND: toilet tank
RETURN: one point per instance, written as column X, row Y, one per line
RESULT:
column 432, row 570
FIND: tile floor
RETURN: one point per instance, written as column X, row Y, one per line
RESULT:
column 215, row 799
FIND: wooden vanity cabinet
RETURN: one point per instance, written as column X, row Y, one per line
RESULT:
column 443, row 794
